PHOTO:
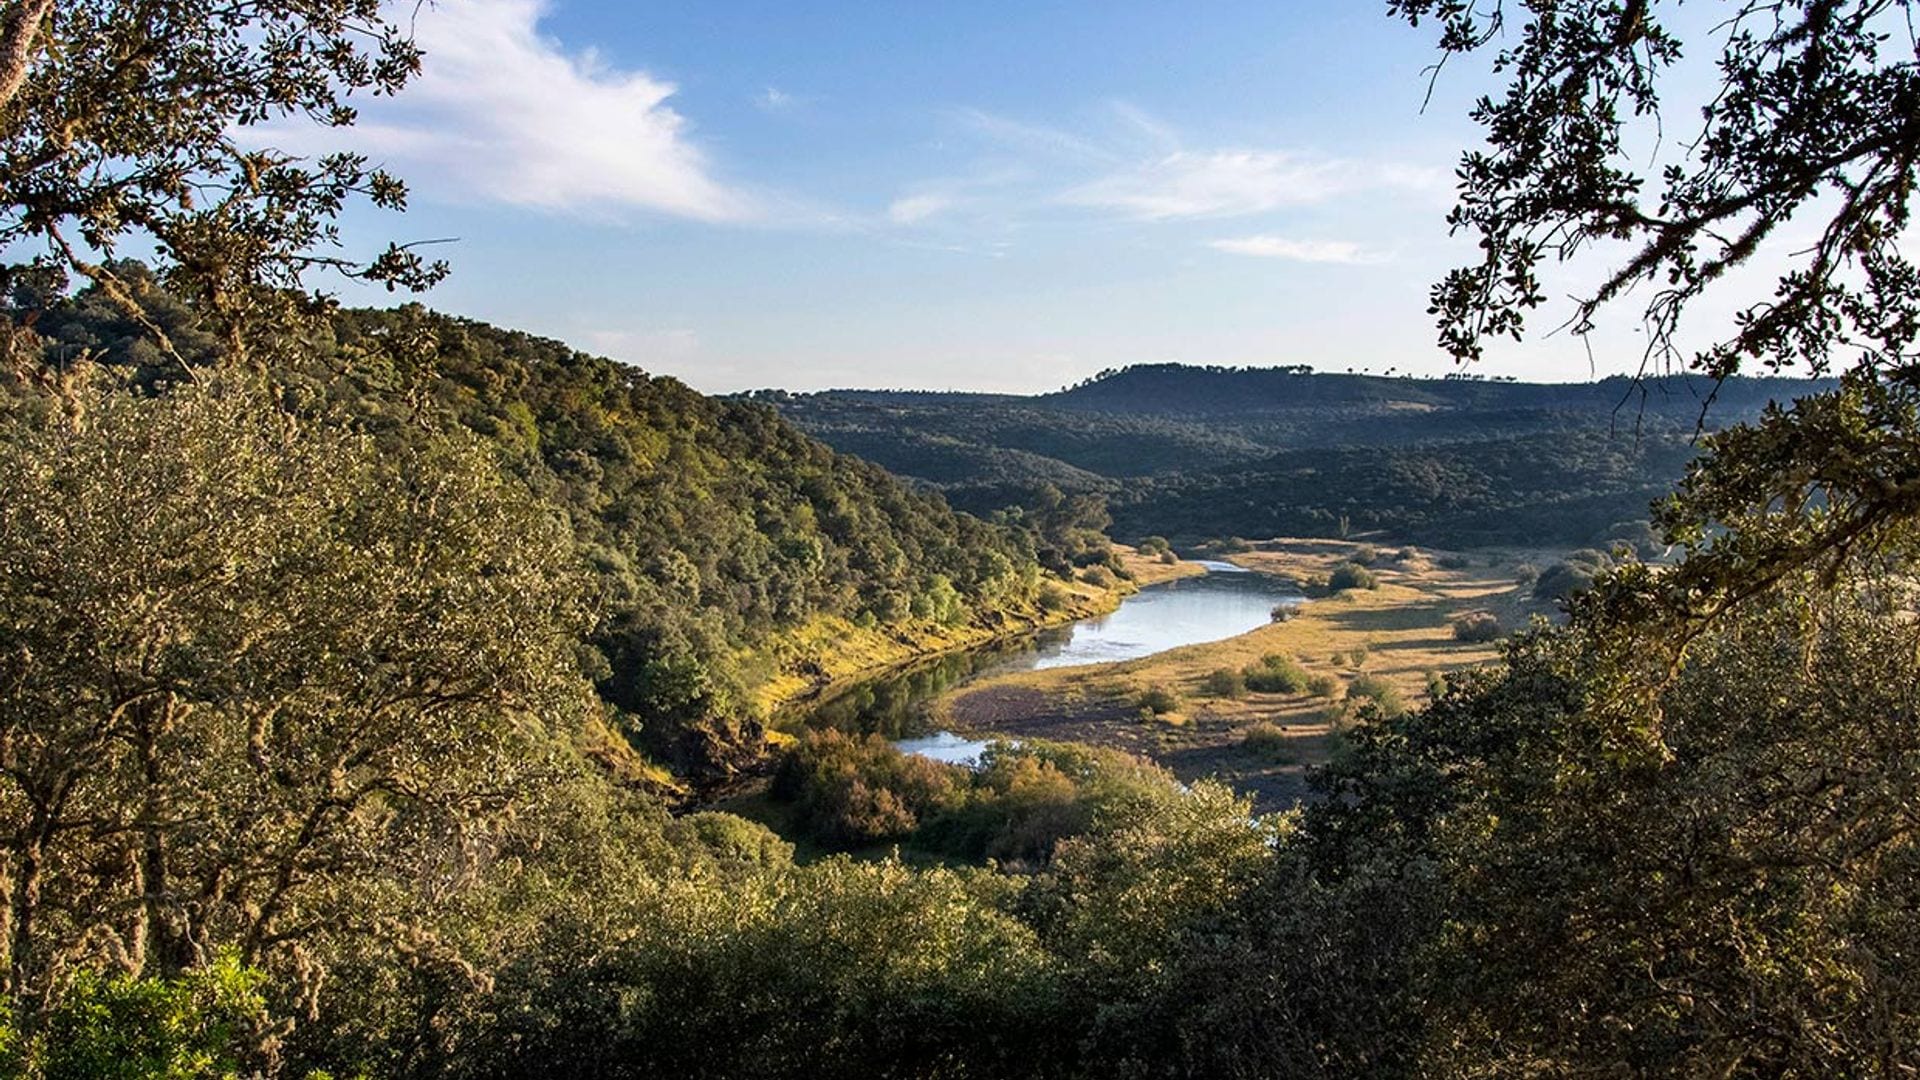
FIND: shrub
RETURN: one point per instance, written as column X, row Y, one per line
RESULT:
column 1526, row 574
column 1224, row 683
column 1572, row 575
column 1453, row 562
column 1636, row 536
column 199, row 1023
column 849, row 790
column 1406, row 554
column 1157, row 700
column 1476, row 627
column 1322, row 686
column 1054, row 598
column 1284, row 612
column 1276, row 674
column 730, row 840
column 1269, row 742
column 1365, row 555
column 1383, row 695
column 1351, row 576
column 1098, row 576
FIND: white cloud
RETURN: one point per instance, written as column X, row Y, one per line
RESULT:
column 1020, row 135
column 774, row 99
column 1223, row 183
column 912, row 209
column 1308, row 251
column 1146, row 125
column 502, row 113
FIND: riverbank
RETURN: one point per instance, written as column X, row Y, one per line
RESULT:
column 827, row 655
column 1398, row 635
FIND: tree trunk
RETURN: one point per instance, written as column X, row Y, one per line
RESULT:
column 19, row 29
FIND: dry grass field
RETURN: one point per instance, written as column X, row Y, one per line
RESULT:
column 1400, row 634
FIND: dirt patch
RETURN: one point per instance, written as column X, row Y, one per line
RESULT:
column 1023, row 713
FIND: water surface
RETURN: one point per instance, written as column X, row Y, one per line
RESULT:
column 1225, row 602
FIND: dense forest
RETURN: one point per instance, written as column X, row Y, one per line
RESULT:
column 326, row 637
column 1198, row 453
column 709, row 526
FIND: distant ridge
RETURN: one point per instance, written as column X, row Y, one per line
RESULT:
column 1197, row 453
column 1174, row 389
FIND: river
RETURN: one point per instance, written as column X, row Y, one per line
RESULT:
column 1225, row 602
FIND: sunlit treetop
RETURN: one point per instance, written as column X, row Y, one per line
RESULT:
column 125, row 130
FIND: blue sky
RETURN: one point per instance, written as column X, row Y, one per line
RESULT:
column 995, row 196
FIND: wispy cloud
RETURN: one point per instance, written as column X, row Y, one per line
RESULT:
column 1146, row 125
column 1022, row 135
column 774, row 99
column 1221, row 183
column 1307, row 251
column 913, row 209
column 503, row 113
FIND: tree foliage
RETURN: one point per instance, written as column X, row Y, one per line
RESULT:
column 1813, row 112
column 137, row 125
column 258, row 672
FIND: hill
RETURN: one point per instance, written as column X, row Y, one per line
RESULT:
column 731, row 555
column 1195, row 453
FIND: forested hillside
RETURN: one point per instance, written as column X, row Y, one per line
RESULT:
column 1196, row 453
column 323, row 634
column 711, row 527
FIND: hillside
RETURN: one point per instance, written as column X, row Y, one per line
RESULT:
column 1196, row 453
column 719, row 538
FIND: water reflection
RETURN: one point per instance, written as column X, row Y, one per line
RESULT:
column 1189, row 611
column 1220, row 604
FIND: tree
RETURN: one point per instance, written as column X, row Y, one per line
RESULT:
column 1720, row 884
column 1815, row 112
column 1815, row 116
column 133, row 123
column 1351, row 575
column 266, row 685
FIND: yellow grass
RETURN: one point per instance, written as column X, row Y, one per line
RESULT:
column 826, row 652
column 1404, row 628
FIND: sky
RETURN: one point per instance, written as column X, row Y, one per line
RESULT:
column 982, row 195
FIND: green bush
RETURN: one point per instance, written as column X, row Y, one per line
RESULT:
column 1269, row 742
column 1365, row 555
column 206, row 1023
column 1383, row 695
column 1157, row 700
column 850, row 790
column 1224, row 683
column 1322, row 686
column 1476, row 627
column 1351, row 576
column 1573, row 574
column 1276, row 674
